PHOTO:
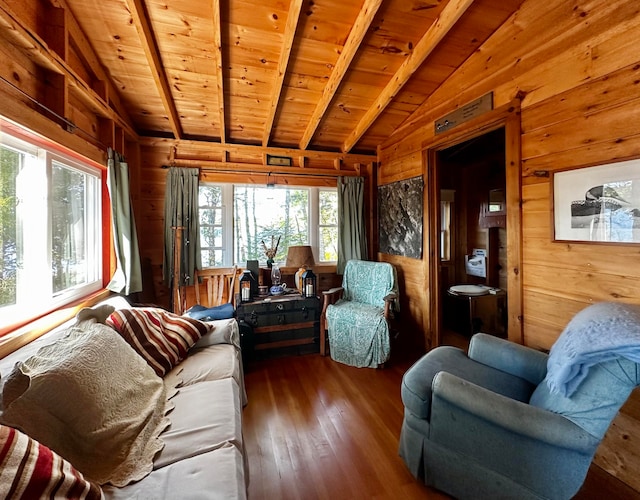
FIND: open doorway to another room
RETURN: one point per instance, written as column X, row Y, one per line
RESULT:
column 473, row 238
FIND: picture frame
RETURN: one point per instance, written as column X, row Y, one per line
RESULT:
column 279, row 161
column 597, row 204
column 400, row 207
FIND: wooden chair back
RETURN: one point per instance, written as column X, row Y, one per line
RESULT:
column 219, row 285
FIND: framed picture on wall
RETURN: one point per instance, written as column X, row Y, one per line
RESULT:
column 400, row 217
column 598, row 204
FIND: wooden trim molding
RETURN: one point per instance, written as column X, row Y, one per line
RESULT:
column 507, row 116
column 35, row 329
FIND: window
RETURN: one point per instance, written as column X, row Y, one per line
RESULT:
column 50, row 230
column 328, row 225
column 297, row 215
column 447, row 197
column 211, row 226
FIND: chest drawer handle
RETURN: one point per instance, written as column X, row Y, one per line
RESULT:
column 279, row 307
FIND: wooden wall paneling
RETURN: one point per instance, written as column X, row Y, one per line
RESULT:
column 54, row 95
column 405, row 167
column 606, row 125
column 412, row 292
column 528, row 39
column 16, row 107
column 583, row 285
column 20, row 72
column 618, row 148
column 371, row 207
column 83, row 118
column 594, row 96
column 55, row 31
column 546, row 315
column 602, row 49
column 403, row 144
column 76, row 63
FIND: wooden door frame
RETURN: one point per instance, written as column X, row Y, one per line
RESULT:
column 507, row 117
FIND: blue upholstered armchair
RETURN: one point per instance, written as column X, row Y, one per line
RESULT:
column 507, row 421
column 356, row 316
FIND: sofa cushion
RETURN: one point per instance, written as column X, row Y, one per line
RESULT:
column 160, row 337
column 213, row 362
column 215, row 475
column 225, row 331
column 92, row 399
column 29, row 469
column 207, row 415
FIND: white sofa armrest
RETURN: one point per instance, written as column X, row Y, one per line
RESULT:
column 225, row 331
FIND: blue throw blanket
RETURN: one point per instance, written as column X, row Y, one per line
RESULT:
column 601, row 332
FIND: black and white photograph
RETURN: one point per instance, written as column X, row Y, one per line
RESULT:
column 400, row 214
column 600, row 203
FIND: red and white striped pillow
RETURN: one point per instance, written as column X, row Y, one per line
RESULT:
column 29, row 470
column 160, row 337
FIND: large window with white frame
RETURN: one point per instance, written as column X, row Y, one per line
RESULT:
column 235, row 220
column 50, row 229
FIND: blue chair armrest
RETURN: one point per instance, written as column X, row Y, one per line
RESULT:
column 502, row 413
column 509, row 357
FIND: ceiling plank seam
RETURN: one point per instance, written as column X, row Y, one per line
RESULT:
column 449, row 16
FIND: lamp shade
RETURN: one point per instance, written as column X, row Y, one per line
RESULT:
column 300, row 255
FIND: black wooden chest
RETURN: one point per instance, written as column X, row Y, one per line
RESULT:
column 283, row 325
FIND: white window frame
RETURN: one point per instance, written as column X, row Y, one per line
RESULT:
column 227, row 209
column 317, row 220
column 34, row 284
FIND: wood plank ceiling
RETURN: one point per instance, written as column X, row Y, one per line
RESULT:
column 325, row 75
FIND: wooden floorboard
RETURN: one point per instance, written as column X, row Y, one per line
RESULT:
column 317, row 429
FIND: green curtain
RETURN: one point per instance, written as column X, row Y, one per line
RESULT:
column 128, row 276
column 352, row 237
column 181, row 210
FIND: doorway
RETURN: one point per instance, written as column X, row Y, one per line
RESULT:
column 473, row 237
column 474, row 229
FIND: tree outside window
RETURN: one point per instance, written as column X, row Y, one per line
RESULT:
column 262, row 213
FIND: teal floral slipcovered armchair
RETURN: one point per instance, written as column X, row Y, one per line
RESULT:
column 356, row 316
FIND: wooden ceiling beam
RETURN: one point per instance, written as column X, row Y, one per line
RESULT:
column 356, row 35
column 449, row 16
column 143, row 26
column 289, row 34
column 194, row 149
column 217, row 59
